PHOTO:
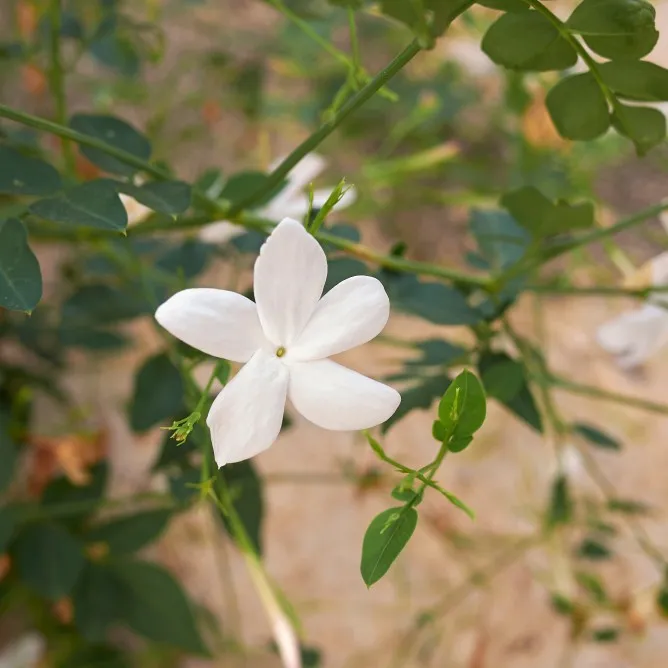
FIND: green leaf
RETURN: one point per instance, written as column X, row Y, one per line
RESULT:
column 662, row 600
column 560, row 510
column 593, row 550
column 97, row 599
column 48, row 558
column 169, row 197
column 611, row 17
column 245, row 488
column 594, row 586
column 22, row 175
column 241, row 185
column 578, row 108
column 462, row 410
column 101, row 304
column 435, row 302
column 501, row 241
column 93, row 204
column 421, row 395
column 188, row 259
column 7, row 525
column 605, row 634
column 504, row 5
column 8, row 448
column 523, row 403
column 154, row 606
column 527, row 41
column 628, row 507
column 128, row 534
column 644, row 126
column 116, row 133
column 596, row 437
column 636, row 80
column 386, row 537
column 95, row 656
column 538, row 215
column 158, row 393
column 20, row 276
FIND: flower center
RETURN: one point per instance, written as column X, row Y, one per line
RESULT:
column 280, row 351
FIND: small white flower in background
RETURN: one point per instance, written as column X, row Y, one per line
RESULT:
column 635, row 336
column 25, row 652
column 136, row 211
column 285, row 337
column 291, row 202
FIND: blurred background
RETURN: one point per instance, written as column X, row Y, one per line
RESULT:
column 232, row 85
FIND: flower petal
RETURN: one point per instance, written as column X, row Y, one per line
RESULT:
column 290, row 274
column 635, row 336
column 219, row 232
column 321, row 196
column 246, row 417
column 135, row 210
column 350, row 314
column 335, row 397
column 217, row 322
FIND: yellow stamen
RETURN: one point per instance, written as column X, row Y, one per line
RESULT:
column 280, row 352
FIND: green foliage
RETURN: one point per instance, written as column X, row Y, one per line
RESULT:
column 527, row 41
column 560, row 510
column 158, row 393
column 94, row 204
column 521, row 403
column 386, row 537
column 636, row 80
column 125, row 535
column 645, row 127
column 7, row 524
column 534, row 212
column 578, row 108
column 48, row 558
column 596, row 437
column 462, row 410
column 154, row 606
column 168, row 197
column 23, row 175
column 116, row 133
column 247, row 494
column 20, row 276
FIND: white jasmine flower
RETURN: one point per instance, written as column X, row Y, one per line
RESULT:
column 285, row 337
column 291, row 202
column 25, row 652
column 635, row 336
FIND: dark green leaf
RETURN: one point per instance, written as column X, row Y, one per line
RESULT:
column 22, row 175
column 505, row 380
column 158, row 393
column 169, row 197
column 386, row 537
column 125, row 535
column 8, row 449
column 541, row 217
column 605, row 634
column 155, row 606
column 421, row 395
column 662, row 600
column 435, row 302
column 593, row 550
column 20, row 276
column 341, row 268
column 240, row 186
column 116, row 133
column 93, row 204
column 596, row 437
column 626, row 47
column 245, row 488
column 522, row 404
column 97, row 599
column 100, row 304
column 8, row 515
column 562, row 605
column 48, row 558
column 188, row 259
column 636, row 80
column 644, row 126
column 95, row 656
column 462, row 410
column 526, row 40
column 504, row 5
column 502, row 242
column 611, row 17
column 578, row 108
column 560, row 510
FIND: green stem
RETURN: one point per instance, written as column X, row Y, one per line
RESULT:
column 597, row 290
column 598, row 393
column 57, row 81
column 277, row 176
column 354, row 43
